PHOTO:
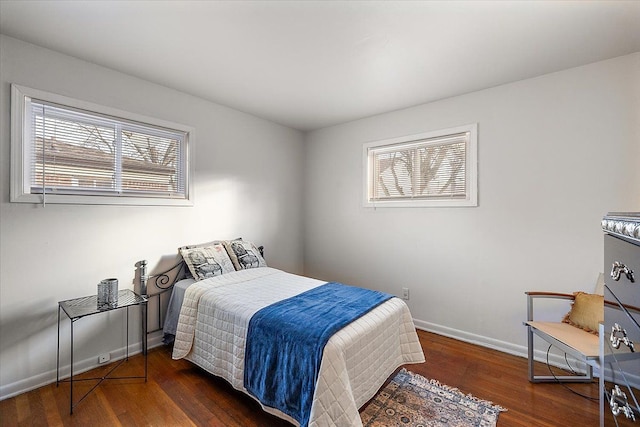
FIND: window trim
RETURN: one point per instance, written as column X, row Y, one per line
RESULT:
column 20, row 190
column 471, row 165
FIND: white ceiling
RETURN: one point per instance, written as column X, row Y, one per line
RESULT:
column 311, row 64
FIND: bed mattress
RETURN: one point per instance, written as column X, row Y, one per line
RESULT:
column 357, row 360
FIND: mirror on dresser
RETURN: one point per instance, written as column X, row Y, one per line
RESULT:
column 620, row 333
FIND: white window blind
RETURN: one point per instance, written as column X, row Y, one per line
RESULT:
column 435, row 169
column 76, row 152
column 425, row 169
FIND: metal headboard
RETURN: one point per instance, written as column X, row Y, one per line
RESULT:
column 162, row 283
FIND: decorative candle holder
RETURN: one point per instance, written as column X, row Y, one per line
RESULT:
column 108, row 293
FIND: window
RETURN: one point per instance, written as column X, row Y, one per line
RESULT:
column 69, row 151
column 427, row 170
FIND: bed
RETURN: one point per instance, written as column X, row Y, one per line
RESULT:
column 212, row 327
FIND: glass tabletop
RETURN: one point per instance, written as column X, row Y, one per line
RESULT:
column 85, row 306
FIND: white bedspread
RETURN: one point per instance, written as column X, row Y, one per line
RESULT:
column 357, row 360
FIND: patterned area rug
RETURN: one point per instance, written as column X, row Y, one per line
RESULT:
column 413, row 401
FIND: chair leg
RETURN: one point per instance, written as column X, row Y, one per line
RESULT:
column 588, row 377
column 589, row 374
column 530, row 352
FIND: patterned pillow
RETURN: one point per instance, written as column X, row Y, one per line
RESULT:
column 207, row 261
column 244, row 254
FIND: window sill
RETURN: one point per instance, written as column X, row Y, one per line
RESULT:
column 98, row 200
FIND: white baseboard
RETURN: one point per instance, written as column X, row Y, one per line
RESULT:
column 539, row 355
column 480, row 340
column 49, row 377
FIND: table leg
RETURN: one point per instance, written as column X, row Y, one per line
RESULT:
column 127, row 349
column 71, row 377
column 58, row 352
column 143, row 308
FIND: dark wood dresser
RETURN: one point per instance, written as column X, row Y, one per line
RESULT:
column 620, row 334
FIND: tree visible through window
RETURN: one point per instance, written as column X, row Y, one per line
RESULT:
column 422, row 169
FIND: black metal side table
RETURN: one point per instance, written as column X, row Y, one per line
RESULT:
column 78, row 308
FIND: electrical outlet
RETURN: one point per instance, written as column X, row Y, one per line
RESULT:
column 104, row 358
column 405, row 293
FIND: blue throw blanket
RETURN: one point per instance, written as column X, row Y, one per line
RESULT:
column 285, row 342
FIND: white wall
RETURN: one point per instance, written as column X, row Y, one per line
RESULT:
column 247, row 183
column 556, row 153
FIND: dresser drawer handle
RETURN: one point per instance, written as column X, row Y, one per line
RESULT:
column 619, row 335
column 619, row 404
column 617, row 268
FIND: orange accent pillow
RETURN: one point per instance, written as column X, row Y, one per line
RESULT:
column 587, row 311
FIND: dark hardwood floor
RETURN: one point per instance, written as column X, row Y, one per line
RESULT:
column 180, row 394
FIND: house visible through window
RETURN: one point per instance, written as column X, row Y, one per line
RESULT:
column 73, row 152
column 429, row 169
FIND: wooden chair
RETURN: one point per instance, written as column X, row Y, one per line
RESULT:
column 581, row 345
